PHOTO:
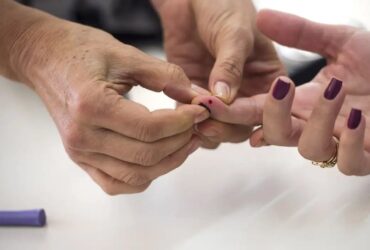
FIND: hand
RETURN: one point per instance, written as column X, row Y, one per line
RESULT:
column 316, row 117
column 318, row 113
column 220, row 49
column 81, row 74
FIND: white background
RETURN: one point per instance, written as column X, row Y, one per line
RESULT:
column 232, row 198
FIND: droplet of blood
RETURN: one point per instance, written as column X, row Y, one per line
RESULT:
column 210, row 101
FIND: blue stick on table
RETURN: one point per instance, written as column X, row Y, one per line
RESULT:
column 29, row 218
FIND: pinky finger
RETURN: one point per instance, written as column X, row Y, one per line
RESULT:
column 110, row 185
column 352, row 158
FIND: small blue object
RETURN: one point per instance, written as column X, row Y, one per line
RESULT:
column 28, row 218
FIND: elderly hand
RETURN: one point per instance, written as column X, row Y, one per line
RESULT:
column 310, row 115
column 81, row 74
column 219, row 48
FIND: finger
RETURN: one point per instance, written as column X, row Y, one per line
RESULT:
column 219, row 132
column 137, row 175
column 243, row 111
column 352, row 158
column 111, row 185
column 135, row 67
column 279, row 127
column 316, row 142
column 138, row 152
column 297, row 32
column 135, row 121
column 227, row 73
column 206, row 142
column 257, row 138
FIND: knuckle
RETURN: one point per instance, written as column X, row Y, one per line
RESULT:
column 81, row 108
column 74, row 155
column 141, row 188
column 307, row 152
column 108, row 188
column 148, row 131
column 276, row 138
column 175, row 72
column 147, row 157
column 347, row 170
column 314, row 152
column 230, row 67
column 73, row 137
column 84, row 106
column 134, row 178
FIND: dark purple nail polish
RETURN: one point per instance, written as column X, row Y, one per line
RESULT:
column 333, row 89
column 281, row 89
column 354, row 119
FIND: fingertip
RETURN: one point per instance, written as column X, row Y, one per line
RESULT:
column 354, row 119
column 256, row 140
column 282, row 90
column 195, row 113
column 351, row 155
column 223, row 91
column 213, row 104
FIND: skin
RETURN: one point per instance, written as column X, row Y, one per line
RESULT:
column 219, row 42
column 304, row 118
column 81, row 73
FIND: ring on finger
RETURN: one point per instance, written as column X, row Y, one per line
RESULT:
column 333, row 159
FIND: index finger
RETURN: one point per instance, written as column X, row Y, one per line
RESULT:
column 136, row 121
column 243, row 111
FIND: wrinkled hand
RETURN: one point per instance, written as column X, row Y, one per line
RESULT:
column 220, row 49
column 81, row 74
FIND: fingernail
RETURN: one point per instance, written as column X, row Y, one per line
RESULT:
column 222, row 91
column 194, row 146
column 281, row 89
column 333, row 89
column 204, row 115
column 205, row 106
column 354, row 119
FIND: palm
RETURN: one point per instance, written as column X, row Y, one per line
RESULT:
column 351, row 65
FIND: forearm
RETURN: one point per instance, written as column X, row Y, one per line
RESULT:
column 17, row 24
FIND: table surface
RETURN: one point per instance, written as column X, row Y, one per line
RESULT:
column 233, row 198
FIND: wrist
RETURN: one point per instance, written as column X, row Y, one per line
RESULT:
column 21, row 40
column 30, row 51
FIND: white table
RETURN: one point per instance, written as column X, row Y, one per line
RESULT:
column 233, row 198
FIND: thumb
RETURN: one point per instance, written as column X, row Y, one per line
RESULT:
column 227, row 73
column 300, row 33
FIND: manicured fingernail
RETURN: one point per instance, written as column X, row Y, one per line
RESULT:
column 281, row 89
column 204, row 115
column 354, row 119
column 194, row 146
column 222, row 91
column 333, row 89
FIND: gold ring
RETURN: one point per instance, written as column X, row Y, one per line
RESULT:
column 332, row 161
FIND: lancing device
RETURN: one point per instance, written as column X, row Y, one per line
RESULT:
column 27, row 218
